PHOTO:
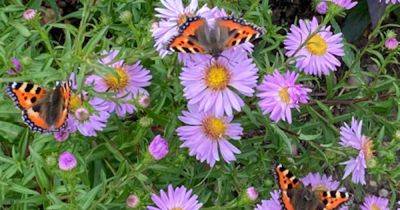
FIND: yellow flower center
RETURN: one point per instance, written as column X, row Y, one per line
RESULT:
column 317, row 45
column 284, row 95
column 320, row 188
column 217, row 77
column 75, row 102
column 177, row 208
column 214, row 127
column 118, row 80
column 367, row 148
column 375, row 207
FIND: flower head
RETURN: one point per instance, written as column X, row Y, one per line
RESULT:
column 88, row 117
column 252, row 193
column 345, row 4
column 318, row 182
column 158, row 148
column 279, row 94
column 351, row 136
column 391, row 43
column 314, row 51
column 214, row 84
column 16, row 68
column 175, row 199
column 375, row 203
column 132, row 201
column 322, row 7
column 61, row 136
column 29, row 14
column 206, row 135
column 271, row 204
column 67, row 161
column 126, row 82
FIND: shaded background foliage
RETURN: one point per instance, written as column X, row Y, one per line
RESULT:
column 113, row 165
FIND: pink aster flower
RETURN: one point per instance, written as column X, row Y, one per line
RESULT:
column 271, row 204
column 172, row 15
column 375, row 203
column 127, row 82
column 132, row 201
column 391, row 43
column 390, row 1
column 29, row 14
column 215, row 84
column 252, row 193
column 16, row 68
column 206, row 135
column 158, row 148
column 67, row 161
column 317, row 56
column 279, row 94
column 178, row 198
column 351, row 136
column 318, row 182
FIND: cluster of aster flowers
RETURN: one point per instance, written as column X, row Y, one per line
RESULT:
column 121, row 87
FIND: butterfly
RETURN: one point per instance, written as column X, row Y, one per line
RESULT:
column 196, row 36
column 42, row 110
column 296, row 196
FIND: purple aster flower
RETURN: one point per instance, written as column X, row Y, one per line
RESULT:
column 279, row 94
column 391, row 43
column 16, row 68
column 67, row 161
column 345, row 4
column 322, row 7
column 206, row 135
column 351, row 136
column 375, row 203
column 61, row 136
column 271, row 204
column 175, row 199
column 390, row 1
column 214, row 84
column 29, row 14
column 318, row 182
column 127, row 82
column 89, row 117
column 132, row 201
column 252, row 193
column 158, row 148
column 317, row 56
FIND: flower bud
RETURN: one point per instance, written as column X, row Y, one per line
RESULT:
column 126, row 16
column 158, row 148
column 252, row 193
column 132, row 201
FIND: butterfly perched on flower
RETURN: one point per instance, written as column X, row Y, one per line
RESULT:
column 196, row 36
column 42, row 110
column 296, row 196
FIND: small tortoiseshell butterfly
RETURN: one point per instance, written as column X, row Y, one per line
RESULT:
column 296, row 196
column 43, row 110
column 196, row 36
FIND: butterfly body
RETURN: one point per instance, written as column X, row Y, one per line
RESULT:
column 43, row 110
column 197, row 36
column 296, row 196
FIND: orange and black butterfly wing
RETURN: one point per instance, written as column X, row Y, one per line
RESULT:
column 286, row 182
column 24, row 94
column 27, row 97
column 65, row 92
column 333, row 199
column 239, row 31
column 186, row 41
